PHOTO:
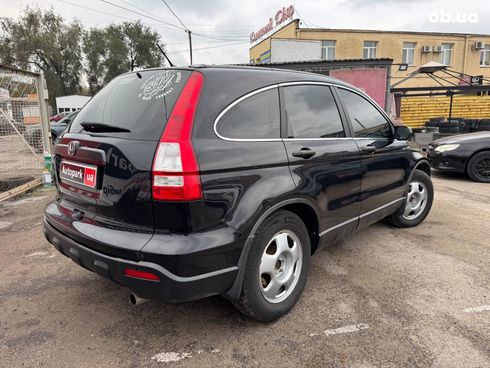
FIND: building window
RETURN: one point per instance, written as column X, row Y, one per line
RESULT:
column 408, row 53
column 369, row 50
column 328, row 50
column 485, row 56
column 447, row 50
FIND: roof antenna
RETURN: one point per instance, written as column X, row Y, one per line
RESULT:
column 164, row 54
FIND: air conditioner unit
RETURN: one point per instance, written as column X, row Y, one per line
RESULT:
column 427, row 48
column 479, row 45
column 437, row 49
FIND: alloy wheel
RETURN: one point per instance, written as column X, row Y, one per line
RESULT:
column 482, row 169
column 416, row 200
column 280, row 266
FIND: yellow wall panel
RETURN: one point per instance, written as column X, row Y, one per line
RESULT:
column 416, row 111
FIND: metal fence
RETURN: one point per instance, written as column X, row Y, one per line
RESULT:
column 24, row 130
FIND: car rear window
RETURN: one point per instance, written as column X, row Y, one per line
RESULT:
column 141, row 105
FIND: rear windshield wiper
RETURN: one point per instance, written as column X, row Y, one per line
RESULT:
column 101, row 127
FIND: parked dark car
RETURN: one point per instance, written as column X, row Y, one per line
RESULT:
column 33, row 133
column 59, row 116
column 59, row 126
column 464, row 153
column 183, row 183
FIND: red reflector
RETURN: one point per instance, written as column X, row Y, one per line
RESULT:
column 129, row 272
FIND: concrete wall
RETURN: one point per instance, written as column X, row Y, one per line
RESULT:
column 294, row 50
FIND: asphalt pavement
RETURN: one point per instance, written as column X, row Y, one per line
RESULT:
column 384, row 297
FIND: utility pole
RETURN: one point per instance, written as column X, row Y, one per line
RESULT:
column 190, row 44
column 184, row 28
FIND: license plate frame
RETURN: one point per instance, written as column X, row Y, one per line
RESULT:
column 84, row 175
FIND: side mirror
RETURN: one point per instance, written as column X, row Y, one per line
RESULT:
column 402, row 133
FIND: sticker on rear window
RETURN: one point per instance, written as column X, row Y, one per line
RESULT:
column 159, row 85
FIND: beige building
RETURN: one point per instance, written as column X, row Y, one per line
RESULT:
column 465, row 53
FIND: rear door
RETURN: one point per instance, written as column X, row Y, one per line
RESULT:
column 323, row 159
column 384, row 160
column 103, row 162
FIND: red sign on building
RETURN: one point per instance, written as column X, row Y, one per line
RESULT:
column 281, row 16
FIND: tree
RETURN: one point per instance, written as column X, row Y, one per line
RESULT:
column 118, row 49
column 64, row 51
column 44, row 42
column 94, row 48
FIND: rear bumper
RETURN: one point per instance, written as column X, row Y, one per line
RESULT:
column 169, row 288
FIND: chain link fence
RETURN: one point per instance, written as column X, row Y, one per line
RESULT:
column 21, row 131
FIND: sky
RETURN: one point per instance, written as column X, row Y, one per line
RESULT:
column 221, row 28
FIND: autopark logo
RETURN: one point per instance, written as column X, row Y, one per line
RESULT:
column 72, row 174
column 444, row 17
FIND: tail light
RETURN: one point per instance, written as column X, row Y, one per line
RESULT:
column 175, row 170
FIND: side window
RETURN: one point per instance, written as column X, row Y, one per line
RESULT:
column 253, row 118
column 366, row 120
column 311, row 112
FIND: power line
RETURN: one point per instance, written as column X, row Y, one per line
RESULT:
column 304, row 21
column 222, row 38
column 194, row 42
column 174, row 28
column 189, row 33
column 300, row 17
column 175, row 15
column 213, row 47
column 141, row 9
column 143, row 15
column 94, row 10
column 113, row 15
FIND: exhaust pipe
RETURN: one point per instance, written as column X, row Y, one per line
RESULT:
column 136, row 300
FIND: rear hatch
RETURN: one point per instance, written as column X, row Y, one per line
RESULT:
column 103, row 162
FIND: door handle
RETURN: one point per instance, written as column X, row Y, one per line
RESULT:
column 305, row 153
column 368, row 149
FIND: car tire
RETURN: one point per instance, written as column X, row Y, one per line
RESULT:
column 484, row 125
column 478, row 168
column 418, row 203
column 434, row 124
column 449, row 129
column 280, row 251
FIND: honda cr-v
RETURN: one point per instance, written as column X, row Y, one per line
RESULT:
column 182, row 183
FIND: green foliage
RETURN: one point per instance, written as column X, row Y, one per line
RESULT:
column 118, row 49
column 44, row 42
column 95, row 50
column 65, row 52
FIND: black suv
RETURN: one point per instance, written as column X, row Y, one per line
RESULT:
column 183, row 183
